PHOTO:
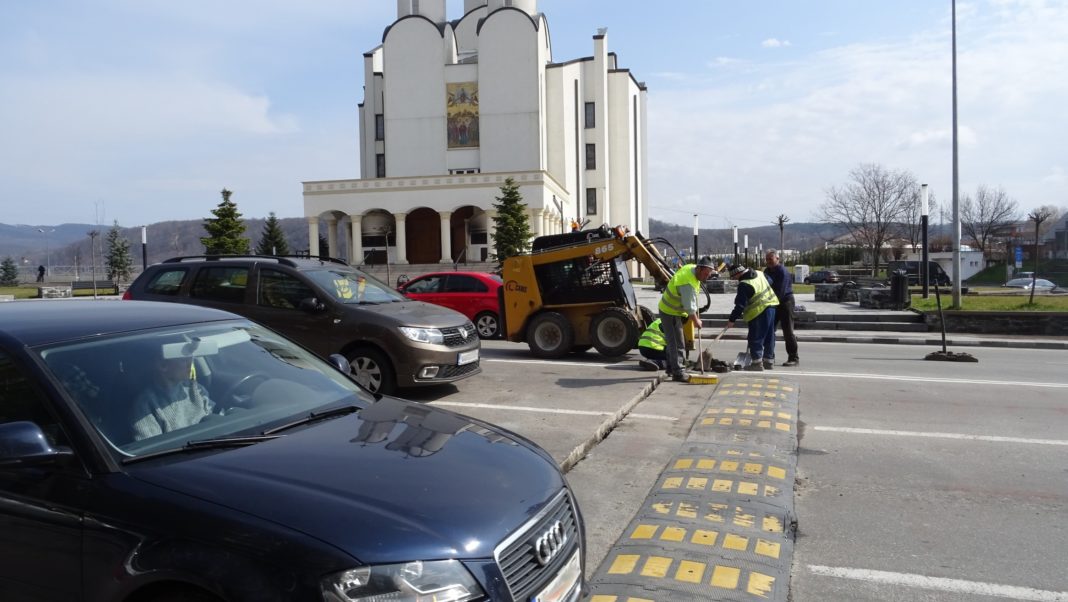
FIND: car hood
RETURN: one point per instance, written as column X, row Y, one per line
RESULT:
column 416, row 313
column 398, row 481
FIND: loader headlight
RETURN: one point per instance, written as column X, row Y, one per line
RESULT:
column 439, row 581
column 423, row 335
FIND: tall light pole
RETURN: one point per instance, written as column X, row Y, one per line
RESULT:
column 48, row 249
column 144, row 248
column 735, row 262
column 695, row 253
column 746, row 245
column 956, row 196
column 92, row 255
column 925, row 275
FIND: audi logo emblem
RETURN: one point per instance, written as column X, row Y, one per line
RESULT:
column 549, row 543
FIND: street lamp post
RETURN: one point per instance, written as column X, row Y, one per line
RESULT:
column 48, row 250
column 924, row 267
column 735, row 245
column 144, row 248
column 746, row 245
column 695, row 237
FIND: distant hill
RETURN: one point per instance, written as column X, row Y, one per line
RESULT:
column 29, row 246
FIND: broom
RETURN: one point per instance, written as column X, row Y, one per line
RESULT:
column 703, row 379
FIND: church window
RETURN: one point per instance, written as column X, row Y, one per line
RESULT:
column 591, row 201
column 380, row 165
column 380, row 127
column 591, row 156
column 591, row 116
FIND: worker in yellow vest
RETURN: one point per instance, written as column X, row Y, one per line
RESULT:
column 755, row 303
column 678, row 305
column 651, row 346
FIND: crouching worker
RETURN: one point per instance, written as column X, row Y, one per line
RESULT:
column 651, row 346
column 755, row 303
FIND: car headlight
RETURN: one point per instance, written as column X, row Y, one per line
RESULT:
column 423, row 335
column 439, row 581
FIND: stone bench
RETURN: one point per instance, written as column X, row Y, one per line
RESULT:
column 107, row 287
column 879, row 298
column 53, row 292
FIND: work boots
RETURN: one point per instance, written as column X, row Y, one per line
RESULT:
column 769, row 364
column 755, row 366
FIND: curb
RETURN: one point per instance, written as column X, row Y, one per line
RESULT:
column 936, row 342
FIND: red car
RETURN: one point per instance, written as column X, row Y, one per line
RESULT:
column 473, row 294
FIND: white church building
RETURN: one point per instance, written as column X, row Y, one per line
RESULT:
column 452, row 109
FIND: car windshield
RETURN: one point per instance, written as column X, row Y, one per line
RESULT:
column 354, row 287
column 154, row 391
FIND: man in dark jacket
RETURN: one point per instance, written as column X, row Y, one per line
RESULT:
column 783, row 286
column 755, row 303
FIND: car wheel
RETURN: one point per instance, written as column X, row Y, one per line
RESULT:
column 614, row 331
column 808, row 281
column 372, row 369
column 549, row 335
column 488, row 325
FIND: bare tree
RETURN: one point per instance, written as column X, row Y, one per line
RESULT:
column 781, row 221
column 990, row 214
column 1038, row 216
column 871, row 206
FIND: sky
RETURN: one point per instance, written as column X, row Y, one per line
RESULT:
column 141, row 111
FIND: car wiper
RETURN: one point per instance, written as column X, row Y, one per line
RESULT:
column 202, row 444
column 313, row 417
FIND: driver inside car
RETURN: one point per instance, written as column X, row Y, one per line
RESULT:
column 173, row 400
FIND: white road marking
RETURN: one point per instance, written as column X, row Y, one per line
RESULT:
column 924, row 379
column 461, row 404
column 992, row 438
column 958, row 586
column 553, row 362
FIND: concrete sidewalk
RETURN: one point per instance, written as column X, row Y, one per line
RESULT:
column 722, row 304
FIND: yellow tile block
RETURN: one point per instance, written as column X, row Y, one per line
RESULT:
column 706, row 464
column 743, row 519
column 662, row 507
column 687, row 510
column 726, row 421
column 733, row 452
column 725, row 576
column 672, row 482
column 699, row 483
column 748, row 488
column 624, row 564
column 656, row 566
column 767, row 413
column 704, row 538
column 708, row 421
column 776, row 473
column 601, row 598
column 772, row 524
column 639, row 600
column 714, row 517
column 767, row 548
column 753, row 468
column 735, row 542
column 784, row 416
column 782, row 426
column 770, row 491
column 673, row 534
column 728, row 466
column 722, row 485
column 749, row 412
column 745, row 422
column 644, row 532
column 760, row 584
column 690, row 572
column 764, row 424
column 730, row 411
column 683, row 464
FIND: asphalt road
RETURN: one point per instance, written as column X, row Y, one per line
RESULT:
column 917, row 480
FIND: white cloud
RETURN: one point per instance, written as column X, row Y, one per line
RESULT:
column 774, row 43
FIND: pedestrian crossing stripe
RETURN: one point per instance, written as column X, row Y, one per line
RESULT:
column 688, row 571
column 720, row 514
column 705, row 537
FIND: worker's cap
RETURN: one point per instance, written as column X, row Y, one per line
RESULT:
column 738, row 270
column 706, row 262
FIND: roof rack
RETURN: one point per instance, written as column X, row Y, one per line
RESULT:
column 286, row 260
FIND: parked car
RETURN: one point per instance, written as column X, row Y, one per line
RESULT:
column 1041, row 284
column 296, row 485
column 474, row 294
column 329, row 307
column 822, row 276
column 935, row 273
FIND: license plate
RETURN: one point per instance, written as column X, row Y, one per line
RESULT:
column 467, row 357
column 562, row 584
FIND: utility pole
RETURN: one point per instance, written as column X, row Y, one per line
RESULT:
column 92, row 253
column 956, row 195
column 695, row 253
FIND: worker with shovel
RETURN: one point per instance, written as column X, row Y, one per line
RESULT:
column 678, row 305
column 755, row 303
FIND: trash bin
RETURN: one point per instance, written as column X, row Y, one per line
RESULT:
column 899, row 288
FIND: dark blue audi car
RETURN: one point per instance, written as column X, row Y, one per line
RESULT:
column 156, row 452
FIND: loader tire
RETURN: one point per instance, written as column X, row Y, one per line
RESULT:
column 648, row 317
column 614, row 332
column 550, row 336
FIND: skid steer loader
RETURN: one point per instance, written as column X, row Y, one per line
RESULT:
column 573, row 292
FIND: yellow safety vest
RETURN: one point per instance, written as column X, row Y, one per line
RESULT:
column 671, row 300
column 653, row 337
column 763, row 297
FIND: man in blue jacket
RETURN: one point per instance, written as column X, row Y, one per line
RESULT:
column 783, row 286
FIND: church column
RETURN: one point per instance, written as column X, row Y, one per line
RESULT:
column 331, row 236
column 313, row 235
column 446, row 237
column 491, row 233
column 536, row 222
column 401, row 239
column 356, row 236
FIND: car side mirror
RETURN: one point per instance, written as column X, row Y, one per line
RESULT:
column 311, row 304
column 341, row 363
column 23, row 443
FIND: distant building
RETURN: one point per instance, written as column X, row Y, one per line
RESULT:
column 453, row 108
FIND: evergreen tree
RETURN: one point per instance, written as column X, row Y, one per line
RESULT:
column 9, row 273
column 512, row 223
column 225, row 231
column 273, row 240
column 118, row 262
column 324, row 247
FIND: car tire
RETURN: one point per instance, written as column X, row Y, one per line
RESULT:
column 550, row 335
column 808, row 281
column 614, row 332
column 372, row 369
column 488, row 325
